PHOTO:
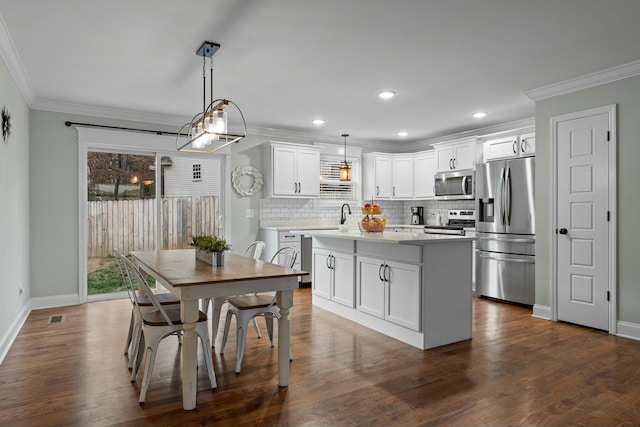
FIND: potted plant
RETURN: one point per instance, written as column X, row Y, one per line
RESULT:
column 210, row 249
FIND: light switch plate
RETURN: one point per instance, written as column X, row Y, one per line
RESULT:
column 249, row 213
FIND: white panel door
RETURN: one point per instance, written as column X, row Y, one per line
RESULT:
column 403, row 294
column 371, row 286
column 284, row 171
column 583, row 229
column 343, row 279
column 424, row 170
column 384, row 178
column 402, row 171
column 322, row 273
column 308, row 173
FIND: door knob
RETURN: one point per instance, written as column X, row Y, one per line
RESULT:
column 563, row 231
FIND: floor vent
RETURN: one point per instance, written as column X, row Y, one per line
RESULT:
column 56, row 319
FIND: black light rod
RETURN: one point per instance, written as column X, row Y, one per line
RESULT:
column 157, row 132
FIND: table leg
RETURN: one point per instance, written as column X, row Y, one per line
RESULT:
column 189, row 316
column 215, row 319
column 285, row 302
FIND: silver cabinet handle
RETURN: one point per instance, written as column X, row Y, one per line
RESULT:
column 333, row 262
column 380, row 272
column 515, row 147
column 523, row 146
column 387, row 277
column 327, row 262
column 377, row 190
column 450, row 163
column 454, row 162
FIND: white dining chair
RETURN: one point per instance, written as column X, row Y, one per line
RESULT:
column 155, row 326
column 255, row 251
column 166, row 299
column 250, row 306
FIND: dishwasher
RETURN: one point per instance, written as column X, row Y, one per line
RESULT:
column 306, row 260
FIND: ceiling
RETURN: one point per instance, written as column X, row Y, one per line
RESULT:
column 286, row 62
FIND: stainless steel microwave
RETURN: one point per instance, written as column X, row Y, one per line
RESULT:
column 455, row 185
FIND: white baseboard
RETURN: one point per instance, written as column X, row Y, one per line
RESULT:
column 542, row 312
column 55, row 301
column 14, row 329
column 628, row 330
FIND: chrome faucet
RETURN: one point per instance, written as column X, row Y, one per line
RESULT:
column 343, row 217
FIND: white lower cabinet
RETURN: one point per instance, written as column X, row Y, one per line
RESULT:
column 333, row 276
column 389, row 290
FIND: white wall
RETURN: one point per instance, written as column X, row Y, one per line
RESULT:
column 14, row 213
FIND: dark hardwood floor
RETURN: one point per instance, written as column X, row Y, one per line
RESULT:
column 516, row 370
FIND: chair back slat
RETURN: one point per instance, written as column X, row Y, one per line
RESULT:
column 254, row 250
column 285, row 256
column 135, row 275
column 125, row 276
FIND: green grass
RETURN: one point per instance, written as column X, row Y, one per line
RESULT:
column 108, row 279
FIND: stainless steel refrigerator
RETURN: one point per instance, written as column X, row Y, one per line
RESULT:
column 506, row 227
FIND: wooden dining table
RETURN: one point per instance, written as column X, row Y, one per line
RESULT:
column 191, row 280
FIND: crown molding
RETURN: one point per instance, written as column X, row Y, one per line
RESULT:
column 12, row 60
column 587, row 81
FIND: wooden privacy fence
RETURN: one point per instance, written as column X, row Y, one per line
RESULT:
column 130, row 225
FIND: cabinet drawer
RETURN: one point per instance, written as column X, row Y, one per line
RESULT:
column 404, row 253
column 286, row 237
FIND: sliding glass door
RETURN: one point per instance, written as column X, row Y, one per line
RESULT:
column 127, row 210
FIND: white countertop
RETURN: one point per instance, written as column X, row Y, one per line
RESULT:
column 386, row 237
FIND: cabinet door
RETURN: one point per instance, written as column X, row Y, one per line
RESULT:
column 308, row 173
column 424, row 169
column 444, row 158
column 383, row 167
column 403, row 294
column 343, row 290
column 322, row 274
column 402, row 173
column 528, row 144
column 370, row 286
column 463, row 156
column 284, row 171
column 501, row 148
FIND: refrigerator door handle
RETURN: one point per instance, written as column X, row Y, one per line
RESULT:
column 506, row 239
column 502, row 196
column 507, row 259
column 507, row 204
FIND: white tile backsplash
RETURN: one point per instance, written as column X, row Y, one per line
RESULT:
column 305, row 211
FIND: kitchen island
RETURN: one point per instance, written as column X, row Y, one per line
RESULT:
column 413, row 287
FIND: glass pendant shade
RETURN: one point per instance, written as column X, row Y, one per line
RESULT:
column 345, row 172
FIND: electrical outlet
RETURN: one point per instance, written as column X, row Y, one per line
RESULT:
column 249, row 213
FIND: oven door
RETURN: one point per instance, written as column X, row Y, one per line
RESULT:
column 454, row 185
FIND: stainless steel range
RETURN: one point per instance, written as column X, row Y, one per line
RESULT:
column 458, row 221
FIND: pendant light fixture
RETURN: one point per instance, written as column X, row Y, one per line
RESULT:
column 207, row 132
column 345, row 170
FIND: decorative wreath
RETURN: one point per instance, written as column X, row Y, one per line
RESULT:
column 241, row 171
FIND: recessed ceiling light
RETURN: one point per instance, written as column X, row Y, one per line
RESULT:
column 403, row 133
column 387, row 94
column 318, row 122
column 479, row 114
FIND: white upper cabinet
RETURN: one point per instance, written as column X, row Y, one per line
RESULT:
column 508, row 146
column 455, row 155
column 424, row 170
column 402, row 173
column 388, row 176
column 292, row 170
